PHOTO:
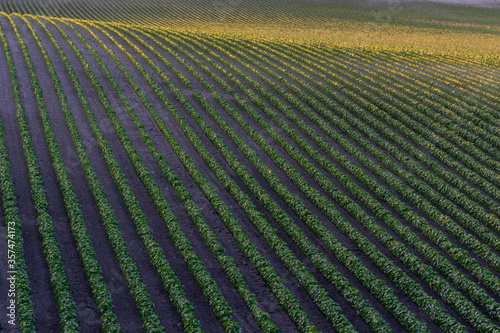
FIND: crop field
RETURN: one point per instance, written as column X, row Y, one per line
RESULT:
column 158, row 174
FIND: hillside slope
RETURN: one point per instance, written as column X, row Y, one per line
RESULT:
column 409, row 24
column 155, row 179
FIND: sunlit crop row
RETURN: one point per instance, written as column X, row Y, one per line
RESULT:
column 346, row 177
column 277, row 103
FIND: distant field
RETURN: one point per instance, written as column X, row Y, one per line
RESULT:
column 232, row 166
column 396, row 23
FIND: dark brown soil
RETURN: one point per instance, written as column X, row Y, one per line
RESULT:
column 44, row 300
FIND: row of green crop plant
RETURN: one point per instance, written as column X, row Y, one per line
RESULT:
column 413, row 63
column 285, row 199
column 412, row 89
column 170, row 42
column 171, row 67
column 425, row 116
column 321, row 299
column 372, row 135
column 326, row 268
column 50, row 9
column 439, row 141
column 171, row 282
column 297, row 267
column 402, row 143
column 220, row 98
column 108, row 217
column 136, row 285
column 405, row 60
column 54, row 8
column 58, row 278
column 329, row 271
column 450, row 177
column 287, row 299
column 359, row 300
column 396, row 204
column 86, row 251
column 365, row 103
column 478, row 78
column 37, row 7
column 445, row 86
column 169, row 173
column 446, row 61
column 465, row 95
column 280, row 214
column 294, row 177
column 14, row 229
column 465, row 62
column 441, row 74
column 24, row 7
column 14, row 240
column 152, row 13
column 153, row 50
column 347, row 58
column 12, row 7
column 208, row 285
column 226, row 262
column 223, row 83
column 125, row 11
column 470, row 113
column 292, row 228
column 399, row 206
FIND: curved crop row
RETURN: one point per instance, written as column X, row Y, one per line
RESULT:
column 86, row 250
column 280, row 216
column 365, row 175
column 14, row 236
column 137, row 287
column 426, row 276
column 227, row 263
column 400, row 207
column 206, row 282
column 483, row 274
column 58, row 278
column 293, row 206
column 275, row 242
column 127, row 265
column 429, row 210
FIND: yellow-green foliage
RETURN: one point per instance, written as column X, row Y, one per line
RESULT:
column 395, row 24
